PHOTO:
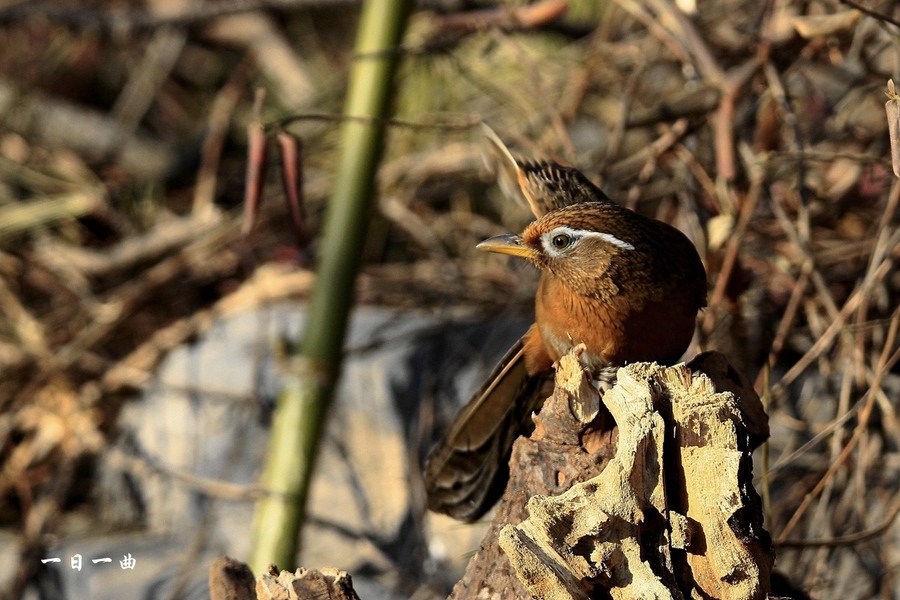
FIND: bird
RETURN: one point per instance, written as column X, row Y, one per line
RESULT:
column 627, row 287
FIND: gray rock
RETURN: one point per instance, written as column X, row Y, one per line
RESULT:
column 191, row 447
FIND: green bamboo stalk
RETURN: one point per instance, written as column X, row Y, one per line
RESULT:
column 306, row 392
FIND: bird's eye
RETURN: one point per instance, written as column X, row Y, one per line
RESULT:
column 561, row 241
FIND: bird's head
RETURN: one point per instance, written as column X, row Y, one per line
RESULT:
column 577, row 243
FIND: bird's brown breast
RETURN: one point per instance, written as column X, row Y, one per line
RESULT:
column 631, row 299
column 659, row 331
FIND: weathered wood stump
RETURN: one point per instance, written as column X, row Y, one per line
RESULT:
column 232, row 580
column 648, row 495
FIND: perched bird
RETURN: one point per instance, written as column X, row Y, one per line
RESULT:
column 626, row 286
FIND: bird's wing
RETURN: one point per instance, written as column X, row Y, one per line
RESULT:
column 468, row 469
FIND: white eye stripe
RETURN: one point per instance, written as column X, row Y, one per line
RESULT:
column 577, row 234
column 608, row 237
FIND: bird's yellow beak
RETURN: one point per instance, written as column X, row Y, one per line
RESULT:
column 509, row 243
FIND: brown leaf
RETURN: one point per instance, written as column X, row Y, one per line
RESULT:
column 257, row 151
column 290, row 149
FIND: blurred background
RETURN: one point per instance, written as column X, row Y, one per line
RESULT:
column 142, row 334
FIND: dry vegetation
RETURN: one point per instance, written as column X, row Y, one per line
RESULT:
column 757, row 127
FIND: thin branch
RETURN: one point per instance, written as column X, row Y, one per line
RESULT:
column 847, row 540
column 871, row 13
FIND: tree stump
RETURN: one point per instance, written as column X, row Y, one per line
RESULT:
column 648, row 494
column 230, row 579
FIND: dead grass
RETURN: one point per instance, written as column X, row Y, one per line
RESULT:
column 758, row 128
